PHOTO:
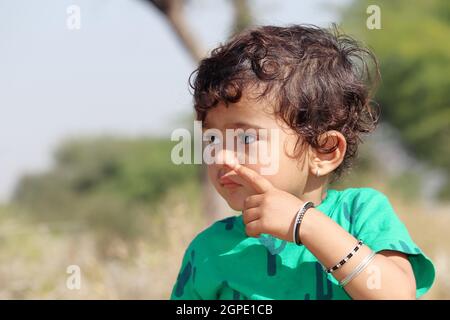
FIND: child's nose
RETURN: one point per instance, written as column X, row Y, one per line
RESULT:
column 226, row 156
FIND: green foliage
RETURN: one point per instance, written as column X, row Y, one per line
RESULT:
column 106, row 184
column 413, row 48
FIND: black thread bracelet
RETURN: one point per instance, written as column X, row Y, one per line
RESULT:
column 298, row 220
column 345, row 259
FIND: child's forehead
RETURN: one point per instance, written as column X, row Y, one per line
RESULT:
column 244, row 113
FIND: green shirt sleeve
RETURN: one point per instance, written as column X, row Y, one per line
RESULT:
column 381, row 229
column 184, row 285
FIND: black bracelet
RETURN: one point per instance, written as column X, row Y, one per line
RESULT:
column 298, row 220
column 344, row 260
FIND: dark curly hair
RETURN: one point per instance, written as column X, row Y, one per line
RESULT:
column 317, row 79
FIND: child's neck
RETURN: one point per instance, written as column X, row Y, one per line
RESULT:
column 315, row 190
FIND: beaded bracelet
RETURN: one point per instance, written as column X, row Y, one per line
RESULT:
column 345, row 259
column 298, row 220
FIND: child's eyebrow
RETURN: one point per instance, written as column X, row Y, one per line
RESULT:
column 245, row 124
column 235, row 124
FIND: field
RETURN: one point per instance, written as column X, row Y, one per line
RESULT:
column 34, row 257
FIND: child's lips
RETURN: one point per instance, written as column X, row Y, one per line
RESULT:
column 227, row 182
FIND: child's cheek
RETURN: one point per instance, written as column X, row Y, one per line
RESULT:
column 263, row 157
column 271, row 175
column 213, row 172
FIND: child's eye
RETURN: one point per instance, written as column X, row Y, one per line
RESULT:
column 212, row 139
column 247, row 138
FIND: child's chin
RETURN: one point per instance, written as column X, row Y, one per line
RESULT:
column 235, row 207
column 235, row 199
column 235, row 204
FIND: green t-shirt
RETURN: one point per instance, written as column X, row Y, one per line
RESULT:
column 222, row 262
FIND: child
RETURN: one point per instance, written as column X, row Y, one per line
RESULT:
column 295, row 238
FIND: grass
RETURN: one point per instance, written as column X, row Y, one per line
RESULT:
column 35, row 257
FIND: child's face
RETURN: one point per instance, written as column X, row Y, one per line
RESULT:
column 285, row 173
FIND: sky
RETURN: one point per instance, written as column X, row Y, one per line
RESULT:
column 123, row 72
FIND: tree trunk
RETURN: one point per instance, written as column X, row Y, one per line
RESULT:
column 213, row 205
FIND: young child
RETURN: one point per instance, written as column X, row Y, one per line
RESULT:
column 296, row 238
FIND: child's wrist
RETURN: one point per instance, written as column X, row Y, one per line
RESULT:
column 308, row 223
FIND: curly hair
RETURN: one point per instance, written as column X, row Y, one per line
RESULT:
column 318, row 79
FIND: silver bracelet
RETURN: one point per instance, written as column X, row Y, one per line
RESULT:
column 358, row 269
column 298, row 221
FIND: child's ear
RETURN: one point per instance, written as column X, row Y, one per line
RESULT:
column 321, row 164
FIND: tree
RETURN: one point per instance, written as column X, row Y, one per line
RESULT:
column 214, row 207
column 414, row 53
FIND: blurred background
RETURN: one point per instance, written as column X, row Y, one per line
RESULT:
column 90, row 91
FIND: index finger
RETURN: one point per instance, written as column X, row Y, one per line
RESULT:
column 256, row 181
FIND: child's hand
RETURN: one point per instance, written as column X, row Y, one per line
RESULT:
column 270, row 210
